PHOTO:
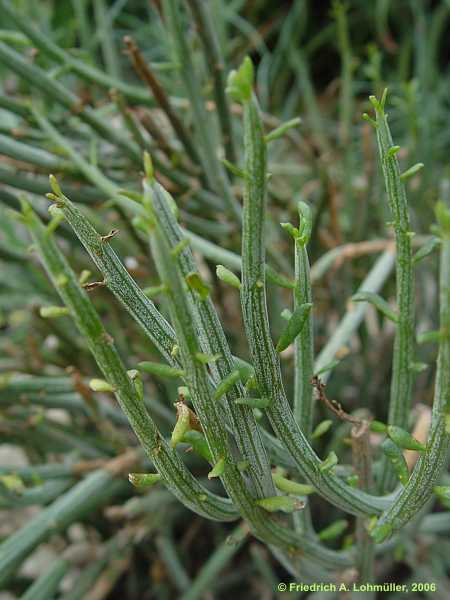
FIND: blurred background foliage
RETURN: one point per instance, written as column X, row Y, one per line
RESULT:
column 316, row 60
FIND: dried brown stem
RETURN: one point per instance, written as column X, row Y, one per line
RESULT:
column 148, row 77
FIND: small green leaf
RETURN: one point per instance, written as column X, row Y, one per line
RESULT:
column 218, row 469
column 285, row 504
column 204, row 359
column 226, row 384
column 148, row 167
column 282, row 130
column 160, row 369
column 328, row 367
column 240, row 82
column 404, row 440
column 428, row 248
column 411, row 171
column 378, row 427
column 330, row 462
column 333, row 531
column 254, row 402
column 279, row 279
column 178, row 248
column 228, row 276
column 382, row 532
column 100, row 385
column 294, row 326
column 396, row 458
column 182, row 425
column 55, row 186
column 144, row 479
column 306, row 222
column 235, row 170
column 321, row 429
column 291, row 487
column 195, row 282
column 53, row 312
column 199, row 445
column 392, row 151
column 378, row 302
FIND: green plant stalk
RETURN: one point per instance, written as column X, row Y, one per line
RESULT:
column 362, row 463
column 168, row 552
column 84, row 70
column 300, row 65
column 157, row 90
column 213, row 169
column 162, row 335
column 38, row 494
column 430, row 465
column 104, row 31
column 265, row 359
column 37, row 185
column 94, row 491
column 79, row 9
column 173, row 471
column 39, row 79
column 373, row 282
column 36, row 156
column 403, row 353
column 122, row 285
column 92, row 174
column 201, row 390
column 208, row 35
column 204, row 581
column 213, row 341
column 46, row 586
column 303, row 345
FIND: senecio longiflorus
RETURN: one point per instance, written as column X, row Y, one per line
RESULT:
column 270, row 478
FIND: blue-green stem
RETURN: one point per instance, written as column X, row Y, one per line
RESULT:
column 169, row 465
column 403, row 352
column 254, row 307
column 430, row 465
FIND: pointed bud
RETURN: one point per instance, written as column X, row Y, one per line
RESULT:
column 228, row 276
column 397, row 460
column 196, row 283
column 333, row 531
column 330, row 462
column 218, row 469
column 291, row 487
column 404, row 440
column 285, row 504
column 182, row 425
column 100, row 385
column 53, row 312
column 144, row 479
column 55, row 186
column 240, row 82
column 294, row 326
column 254, row 402
column 321, row 429
column 226, row 384
column 160, row 369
